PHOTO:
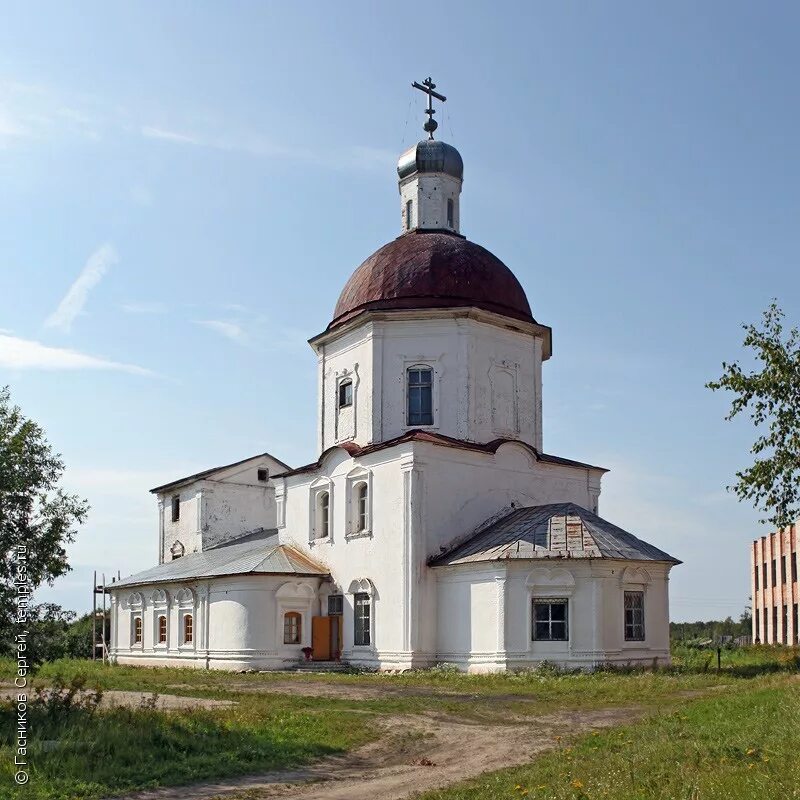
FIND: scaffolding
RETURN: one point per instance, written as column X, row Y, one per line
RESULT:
column 100, row 642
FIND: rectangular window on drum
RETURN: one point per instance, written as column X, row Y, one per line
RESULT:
column 420, row 396
column 634, row 616
column 550, row 620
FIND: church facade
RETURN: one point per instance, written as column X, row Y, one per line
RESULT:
column 433, row 527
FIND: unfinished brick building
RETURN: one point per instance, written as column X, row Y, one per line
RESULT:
column 773, row 582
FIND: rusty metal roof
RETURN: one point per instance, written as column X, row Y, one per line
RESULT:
column 558, row 530
column 432, row 269
column 256, row 553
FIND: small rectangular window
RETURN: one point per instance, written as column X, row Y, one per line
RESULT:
column 188, row 629
column 335, row 605
column 774, row 639
column 794, row 567
column 758, row 626
column 450, row 213
column 550, row 620
column 783, row 569
column 634, row 616
column 345, row 394
column 785, row 625
column 764, row 571
column 756, row 578
column 263, row 474
column 361, row 619
column 794, row 624
column 409, row 211
column 162, row 629
column 420, row 396
column 774, row 573
column 176, row 507
column 137, row 630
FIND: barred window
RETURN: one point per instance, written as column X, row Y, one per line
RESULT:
column 550, row 620
column 292, row 622
column 361, row 619
column 634, row 616
column 335, row 605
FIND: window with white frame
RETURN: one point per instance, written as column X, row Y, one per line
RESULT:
column 137, row 630
column 419, row 389
column 292, row 627
column 346, row 393
column 361, row 506
column 362, row 614
column 634, row 616
column 162, row 629
column 550, row 619
column 323, row 526
column 188, row 628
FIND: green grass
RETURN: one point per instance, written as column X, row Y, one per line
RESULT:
column 117, row 751
column 741, row 745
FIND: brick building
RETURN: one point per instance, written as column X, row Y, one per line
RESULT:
column 774, row 586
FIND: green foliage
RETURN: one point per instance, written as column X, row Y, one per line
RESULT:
column 712, row 629
column 771, row 395
column 35, row 513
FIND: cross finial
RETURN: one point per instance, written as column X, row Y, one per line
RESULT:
column 428, row 86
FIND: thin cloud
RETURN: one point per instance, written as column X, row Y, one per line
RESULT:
column 150, row 132
column 154, row 307
column 230, row 330
column 74, row 300
column 16, row 353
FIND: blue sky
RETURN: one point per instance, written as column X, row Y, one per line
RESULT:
column 187, row 186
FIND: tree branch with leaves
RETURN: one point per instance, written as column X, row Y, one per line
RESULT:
column 770, row 392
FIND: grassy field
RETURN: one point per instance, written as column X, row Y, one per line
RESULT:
column 706, row 733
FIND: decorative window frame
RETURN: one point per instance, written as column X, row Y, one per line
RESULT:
column 512, row 370
column 299, row 597
column 355, row 477
column 433, row 363
column 339, row 378
column 160, row 600
column 186, row 601
column 134, row 602
column 635, row 579
column 320, row 485
column 177, row 550
column 557, row 583
column 363, row 586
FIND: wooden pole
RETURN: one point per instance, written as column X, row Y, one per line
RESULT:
column 94, row 616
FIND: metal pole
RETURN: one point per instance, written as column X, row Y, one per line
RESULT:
column 94, row 616
column 104, row 618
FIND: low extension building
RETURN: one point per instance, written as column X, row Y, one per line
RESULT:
column 774, row 587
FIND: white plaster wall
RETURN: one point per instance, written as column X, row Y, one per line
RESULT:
column 232, row 510
column 498, row 599
column 487, row 379
column 238, row 622
column 429, row 194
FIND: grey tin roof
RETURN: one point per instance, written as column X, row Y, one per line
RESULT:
column 559, row 530
column 256, row 553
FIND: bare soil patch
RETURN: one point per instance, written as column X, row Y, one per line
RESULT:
column 416, row 753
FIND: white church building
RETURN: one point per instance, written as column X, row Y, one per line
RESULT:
column 433, row 528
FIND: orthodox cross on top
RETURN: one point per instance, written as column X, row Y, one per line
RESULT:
column 428, row 86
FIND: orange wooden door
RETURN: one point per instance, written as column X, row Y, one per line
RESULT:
column 321, row 638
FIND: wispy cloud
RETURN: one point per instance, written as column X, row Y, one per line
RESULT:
column 230, row 330
column 26, row 354
column 153, row 307
column 150, row 132
column 74, row 300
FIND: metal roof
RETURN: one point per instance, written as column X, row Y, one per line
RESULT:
column 258, row 554
column 558, row 530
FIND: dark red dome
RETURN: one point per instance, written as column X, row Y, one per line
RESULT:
column 432, row 269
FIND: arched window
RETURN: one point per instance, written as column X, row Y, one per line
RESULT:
column 188, row 629
column 362, row 506
column 137, row 630
column 420, row 395
column 162, row 629
column 292, row 627
column 324, row 504
column 450, row 215
column 409, row 211
column 345, row 393
column 177, row 550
